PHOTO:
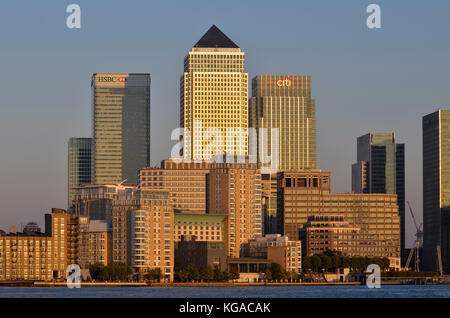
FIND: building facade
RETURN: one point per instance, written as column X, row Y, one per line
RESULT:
column 151, row 225
column 185, row 181
column 380, row 168
column 279, row 249
column 95, row 242
column 284, row 102
column 306, row 193
column 40, row 256
column 214, row 97
column 201, row 253
column 121, row 126
column 204, row 227
column 79, row 165
column 235, row 190
column 436, row 189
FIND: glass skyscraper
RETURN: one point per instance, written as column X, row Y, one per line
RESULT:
column 214, row 96
column 436, row 189
column 79, row 164
column 380, row 168
column 285, row 102
column 121, row 127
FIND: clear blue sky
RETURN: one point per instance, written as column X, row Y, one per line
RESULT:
column 363, row 80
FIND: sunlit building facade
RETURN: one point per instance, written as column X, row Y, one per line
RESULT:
column 284, row 102
column 213, row 97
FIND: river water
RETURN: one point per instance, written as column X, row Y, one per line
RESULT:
column 386, row 291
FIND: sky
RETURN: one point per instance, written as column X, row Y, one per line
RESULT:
column 363, row 79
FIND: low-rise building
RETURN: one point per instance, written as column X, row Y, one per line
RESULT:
column 201, row 253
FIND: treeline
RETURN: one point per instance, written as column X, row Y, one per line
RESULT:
column 327, row 262
column 193, row 274
column 276, row 273
column 111, row 272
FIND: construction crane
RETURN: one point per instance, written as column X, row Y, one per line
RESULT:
column 418, row 242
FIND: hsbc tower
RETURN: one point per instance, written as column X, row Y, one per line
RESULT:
column 121, row 126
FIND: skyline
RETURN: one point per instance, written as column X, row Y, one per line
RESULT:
column 28, row 161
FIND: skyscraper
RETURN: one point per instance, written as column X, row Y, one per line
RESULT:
column 285, row 102
column 436, row 189
column 213, row 97
column 380, row 168
column 121, row 127
column 79, row 164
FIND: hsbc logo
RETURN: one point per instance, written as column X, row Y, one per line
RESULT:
column 111, row 79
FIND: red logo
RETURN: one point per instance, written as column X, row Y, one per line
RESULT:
column 122, row 79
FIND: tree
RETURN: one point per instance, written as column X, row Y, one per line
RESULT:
column 209, row 273
column 306, row 263
column 193, row 272
column 268, row 275
column 327, row 264
column 316, row 263
column 182, row 275
column 277, row 271
column 155, row 274
column 233, row 275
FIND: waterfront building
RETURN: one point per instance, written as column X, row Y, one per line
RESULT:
column 380, row 168
column 95, row 242
column 39, row 256
column 185, row 181
column 306, row 193
column 235, row 190
column 201, row 253
column 436, row 190
column 143, row 232
column 203, row 227
column 79, row 165
column 214, row 97
column 284, row 102
column 121, row 126
column 279, row 249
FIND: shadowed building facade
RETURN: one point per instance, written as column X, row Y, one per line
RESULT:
column 380, row 168
column 121, row 126
column 436, row 189
column 79, row 165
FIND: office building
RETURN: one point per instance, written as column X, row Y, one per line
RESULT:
column 306, row 193
column 214, row 97
column 121, row 126
column 79, row 165
column 436, row 190
column 96, row 200
column 235, row 190
column 185, row 181
column 284, row 102
column 380, row 168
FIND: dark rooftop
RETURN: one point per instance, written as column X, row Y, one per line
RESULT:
column 216, row 39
